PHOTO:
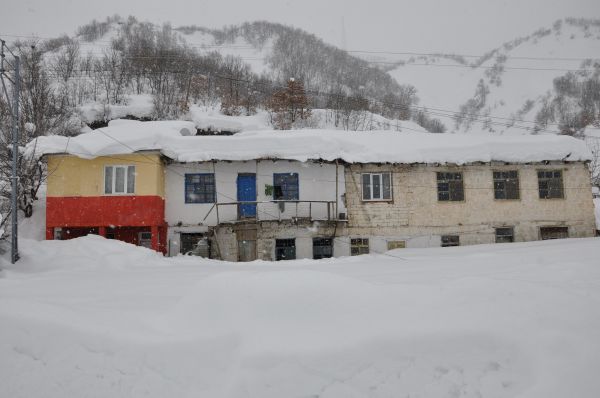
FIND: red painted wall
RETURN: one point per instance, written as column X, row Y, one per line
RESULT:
column 130, row 211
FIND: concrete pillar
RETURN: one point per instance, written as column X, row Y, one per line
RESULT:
column 155, row 237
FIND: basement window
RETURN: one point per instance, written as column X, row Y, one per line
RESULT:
column 285, row 249
column 450, row 240
column 505, row 235
column 322, row 248
column 359, row 246
column 376, row 186
column 119, row 180
column 506, row 184
column 554, row 233
column 450, row 187
column 550, row 183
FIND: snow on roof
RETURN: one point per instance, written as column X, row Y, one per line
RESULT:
column 174, row 139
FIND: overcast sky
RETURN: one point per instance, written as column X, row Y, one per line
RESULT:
column 461, row 26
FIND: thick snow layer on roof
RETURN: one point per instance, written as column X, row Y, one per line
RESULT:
column 356, row 147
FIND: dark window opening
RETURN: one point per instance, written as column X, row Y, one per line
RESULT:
column 450, row 240
column 550, row 183
column 554, row 233
column 505, row 235
column 189, row 242
column 322, row 248
column 506, row 184
column 359, row 246
column 285, row 186
column 200, row 188
column 285, row 249
column 450, row 187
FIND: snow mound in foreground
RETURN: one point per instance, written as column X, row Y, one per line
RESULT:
column 121, row 321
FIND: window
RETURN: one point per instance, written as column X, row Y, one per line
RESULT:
column 505, row 235
column 396, row 244
column 200, row 188
column 322, row 248
column 119, row 180
column 550, row 184
column 189, row 241
column 450, row 240
column 554, row 233
column 506, row 184
column 359, row 246
column 285, row 186
column 450, row 187
column 285, row 249
column 377, row 186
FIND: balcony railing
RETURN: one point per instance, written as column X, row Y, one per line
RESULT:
column 275, row 210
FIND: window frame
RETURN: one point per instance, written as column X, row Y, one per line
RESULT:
column 512, row 234
column 451, row 183
column 548, row 188
column 114, row 168
column 359, row 246
column 504, row 181
column 186, row 184
column 381, row 186
column 448, row 238
column 329, row 246
column 284, row 196
column 279, row 248
column 564, row 228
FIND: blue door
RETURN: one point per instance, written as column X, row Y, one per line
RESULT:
column 246, row 192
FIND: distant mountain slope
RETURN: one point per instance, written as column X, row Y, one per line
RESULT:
column 508, row 86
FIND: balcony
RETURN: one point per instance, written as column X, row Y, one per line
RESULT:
column 275, row 210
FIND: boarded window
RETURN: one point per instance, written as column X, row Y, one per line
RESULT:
column 550, row 183
column 450, row 240
column 554, row 233
column 506, row 184
column 505, row 235
column 377, row 186
column 450, row 187
column 359, row 246
column 322, row 248
column 200, row 188
column 119, row 180
column 285, row 249
column 396, row 244
column 285, row 186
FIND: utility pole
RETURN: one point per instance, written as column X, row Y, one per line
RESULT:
column 15, row 142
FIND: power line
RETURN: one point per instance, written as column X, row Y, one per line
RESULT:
column 359, row 51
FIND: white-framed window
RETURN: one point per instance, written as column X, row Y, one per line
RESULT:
column 119, row 180
column 376, row 186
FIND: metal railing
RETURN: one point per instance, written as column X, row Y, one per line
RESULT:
column 275, row 210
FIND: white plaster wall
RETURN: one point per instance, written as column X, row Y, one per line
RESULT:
column 316, row 182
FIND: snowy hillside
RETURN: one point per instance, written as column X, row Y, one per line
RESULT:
column 516, row 76
column 96, row 317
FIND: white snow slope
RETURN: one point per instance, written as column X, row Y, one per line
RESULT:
column 532, row 63
column 98, row 318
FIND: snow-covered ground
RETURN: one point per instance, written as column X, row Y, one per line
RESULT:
column 99, row 318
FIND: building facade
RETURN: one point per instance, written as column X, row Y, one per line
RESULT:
column 119, row 197
column 313, row 194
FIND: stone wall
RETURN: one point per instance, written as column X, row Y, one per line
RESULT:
column 414, row 213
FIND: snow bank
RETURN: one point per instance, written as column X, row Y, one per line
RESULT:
column 212, row 120
column 302, row 145
column 95, row 317
column 138, row 105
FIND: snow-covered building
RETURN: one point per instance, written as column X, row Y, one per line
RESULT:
column 313, row 193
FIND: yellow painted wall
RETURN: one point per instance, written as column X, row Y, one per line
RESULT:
column 72, row 176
